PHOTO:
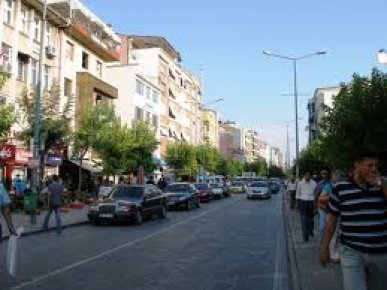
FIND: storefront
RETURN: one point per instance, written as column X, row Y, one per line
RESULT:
column 13, row 164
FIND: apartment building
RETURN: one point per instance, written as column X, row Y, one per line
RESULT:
column 180, row 98
column 276, row 157
column 250, row 145
column 210, row 127
column 231, row 141
column 322, row 98
column 138, row 97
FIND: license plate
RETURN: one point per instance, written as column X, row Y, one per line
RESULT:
column 105, row 215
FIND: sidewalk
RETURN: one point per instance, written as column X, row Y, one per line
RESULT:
column 306, row 269
column 71, row 218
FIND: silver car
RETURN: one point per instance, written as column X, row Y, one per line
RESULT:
column 258, row 190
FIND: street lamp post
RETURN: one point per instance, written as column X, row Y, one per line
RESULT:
column 294, row 61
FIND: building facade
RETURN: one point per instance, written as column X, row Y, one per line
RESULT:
column 180, row 98
column 251, row 144
column 210, row 127
column 231, row 141
column 322, row 98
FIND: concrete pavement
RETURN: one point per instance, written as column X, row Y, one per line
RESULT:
column 227, row 244
column 306, row 269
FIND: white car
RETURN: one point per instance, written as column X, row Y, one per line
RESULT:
column 217, row 190
column 259, row 190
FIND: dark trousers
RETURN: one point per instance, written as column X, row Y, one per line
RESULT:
column 307, row 218
column 292, row 198
column 56, row 210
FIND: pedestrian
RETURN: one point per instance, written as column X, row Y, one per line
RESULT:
column 359, row 206
column 55, row 192
column 150, row 180
column 322, row 193
column 292, row 188
column 162, row 183
column 5, row 203
column 305, row 197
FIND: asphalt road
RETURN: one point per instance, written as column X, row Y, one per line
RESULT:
column 228, row 244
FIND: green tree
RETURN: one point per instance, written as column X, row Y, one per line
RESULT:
column 7, row 112
column 311, row 158
column 182, row 157
column 55, row 130
column 275, row 171
column 208, row 157
column 258, row 166
column 358, row 119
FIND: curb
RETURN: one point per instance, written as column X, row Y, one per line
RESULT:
column 294, row 276
column 51, row 229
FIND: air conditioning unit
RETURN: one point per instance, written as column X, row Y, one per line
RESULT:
column 50, row 51
column 6, row 67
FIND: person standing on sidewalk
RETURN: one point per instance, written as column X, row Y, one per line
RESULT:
column 305, row 197
column 361, row 206
column 322, row 193
column 6, row 210
column 292, row 188
column 55, row 192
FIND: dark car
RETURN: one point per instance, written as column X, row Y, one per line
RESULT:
column 182, row 195
column 130, row 203
column 274, row 185
column 204, row 191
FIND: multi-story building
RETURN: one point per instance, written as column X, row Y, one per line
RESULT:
column 231, row 141
column 251, row 145
column 180, row 98
column 210, row 127
column 138, row 97
column 77, row 45
column 322, row 98
column 276, row 157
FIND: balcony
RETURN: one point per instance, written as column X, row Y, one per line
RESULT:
column 88, row 30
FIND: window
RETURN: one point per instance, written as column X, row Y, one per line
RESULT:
column 7, row 54
column 85, row 60
column 68, row 87
column 46, row 77
column 8, row 11
column 155, row 97
column 24, row 19
column 148, row 117
column 34, row 72
column 139, row 114
column 139, row 88
column 21, row 67
column 99, row 68
column 98, row 99
column 48, row 34
column 69, row 51
column 37, row 28
column 155, row 121
column 148, row 93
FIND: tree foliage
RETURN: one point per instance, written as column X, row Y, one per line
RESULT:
column 207, row 157
column 258, row 166
column 275, row 171
column 7, row 112
column 182, row 157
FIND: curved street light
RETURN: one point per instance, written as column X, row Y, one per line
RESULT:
column 294, row 61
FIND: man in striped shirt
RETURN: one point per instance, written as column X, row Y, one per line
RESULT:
column 361, row 204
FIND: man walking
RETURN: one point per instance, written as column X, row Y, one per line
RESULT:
column 292, row 188
column 361, row 206
column 55, row 191
column 305, row 196
column 322, row 193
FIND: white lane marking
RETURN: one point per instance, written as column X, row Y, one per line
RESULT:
column 115, row 249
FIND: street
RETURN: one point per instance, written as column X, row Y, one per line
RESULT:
column 229, row 244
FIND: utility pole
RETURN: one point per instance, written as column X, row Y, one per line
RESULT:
column 38, row 100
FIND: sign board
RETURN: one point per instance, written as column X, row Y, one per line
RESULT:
column 33, row 163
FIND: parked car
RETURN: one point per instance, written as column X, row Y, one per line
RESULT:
column 237, row 187
column 258, row 190
column 217, row 190
column 182, row 195
column 104, row 191
column 204, row 191
column 129, row 203
column 226, row 192
column 274, row 185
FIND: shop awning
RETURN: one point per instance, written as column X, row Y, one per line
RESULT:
column 88, row 165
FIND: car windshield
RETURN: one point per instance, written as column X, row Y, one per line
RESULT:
column 201, row 186
column 237, row 184
column 105, row 190
column 178, row 187
column 215, row 185
column 259, row 184
column 127, row 192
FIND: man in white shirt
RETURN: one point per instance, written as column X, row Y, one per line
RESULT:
column 305, row 197
column 291, row 188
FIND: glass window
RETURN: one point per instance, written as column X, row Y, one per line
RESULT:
column 155, row 121
column 99, row 68
column 85, row 60
column 34, row 72
column 127, row 192
column 179, row 187
column 155, row 97
column 37, row 28
column 148, row 116
column 139, row 114
column 24, row 19
column 69, row 51
column 46, row 77
column 48, row 34
column 139, row 88
column 148, row 93
column 20, row 69
column 8, row 11
column 7, row 53
column 68, row 87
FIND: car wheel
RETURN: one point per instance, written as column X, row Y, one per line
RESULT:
column 163, row 212
column 96, row 222
column 139, row 217
column 198, row 203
